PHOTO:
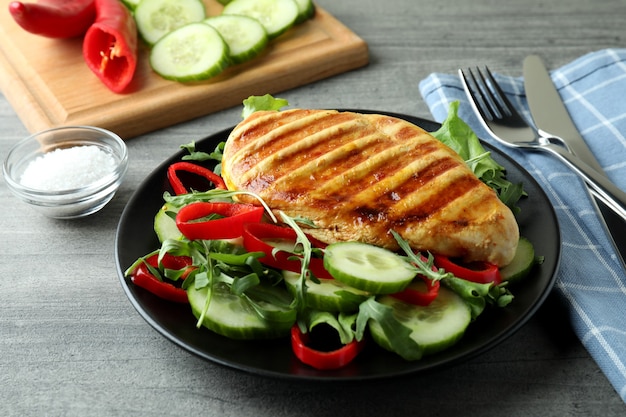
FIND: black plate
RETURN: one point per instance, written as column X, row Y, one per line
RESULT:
column 135, row 238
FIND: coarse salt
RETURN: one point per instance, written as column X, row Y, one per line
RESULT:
column 68, row 168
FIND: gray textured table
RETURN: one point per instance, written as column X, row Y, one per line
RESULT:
column 71, row 344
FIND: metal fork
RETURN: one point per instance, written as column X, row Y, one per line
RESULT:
column 506, row 126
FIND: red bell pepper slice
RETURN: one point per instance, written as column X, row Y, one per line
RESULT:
column 420, row 298
column 142, row 277
column 255, row 237
column 188, row 220
column 110, row 45
column 479, row 272
column 177, row 184
column 321, row 359
column 53, row 18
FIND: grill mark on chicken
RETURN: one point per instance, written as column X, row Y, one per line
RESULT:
column 424, row 208
column 323, row 169
column 257, row 137
column 301, row 157
column 425, row 192
column 376, row 172
column 359, row 176
column 294, row 130
column 405, row 205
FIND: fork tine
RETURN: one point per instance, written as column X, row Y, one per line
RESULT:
column 488, row 99
column 490, row 96
column 506, row 109
column 501, row 101
column 475, row 94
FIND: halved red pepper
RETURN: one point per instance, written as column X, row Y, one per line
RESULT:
column 110, row 45
column 205, row 173
column 479, row 272
column 228, row 226
column 255, row 236
column 144, row 278
column 53, row 18
column 321, row 359
column 420, row 298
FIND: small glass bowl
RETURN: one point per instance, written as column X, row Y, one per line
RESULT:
column 74, row 202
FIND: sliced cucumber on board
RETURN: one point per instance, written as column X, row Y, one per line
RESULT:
column 193, row 52
column 276, row 16
column 157, row 18
column 245, row 36
column 239, row 25
column 306, row 10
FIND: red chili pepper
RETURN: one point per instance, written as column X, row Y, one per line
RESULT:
column 110, row 45
column 227, row 227
column 321, row 359
column 54, row 19
column 255, row 236
column 420, row 298
column 479, row 272
column 176, row 183
column 142, row 277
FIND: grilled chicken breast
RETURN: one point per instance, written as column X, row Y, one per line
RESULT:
column 358, row 176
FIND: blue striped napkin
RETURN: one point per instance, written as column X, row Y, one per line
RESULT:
column 591, row 278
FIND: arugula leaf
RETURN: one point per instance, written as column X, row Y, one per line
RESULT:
column 456, row 134
column 258, row 103
column 307, row 252
column 195, row 155
column 342, row 323
column 237, row 259
column 270, row 304
column 397, row 333
column 423, row 266
column 239, row 285
column 478, row 296
column 142, row 260
column 200, row 156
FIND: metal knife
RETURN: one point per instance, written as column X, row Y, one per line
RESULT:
column 552, row 119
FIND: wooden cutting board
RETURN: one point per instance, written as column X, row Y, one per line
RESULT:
column 48, row 84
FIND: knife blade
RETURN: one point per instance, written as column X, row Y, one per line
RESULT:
column 549, row 112
column 552, row 119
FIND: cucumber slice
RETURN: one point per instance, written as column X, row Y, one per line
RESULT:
column 246, row 37
column 434, row 327
column 276, row 16
column 164, row 225
column 328, row 295
column 306, row 10
column 193, row 52
column 522, row 262
column 229, row 315
column 157, row 18
column 368, row 267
